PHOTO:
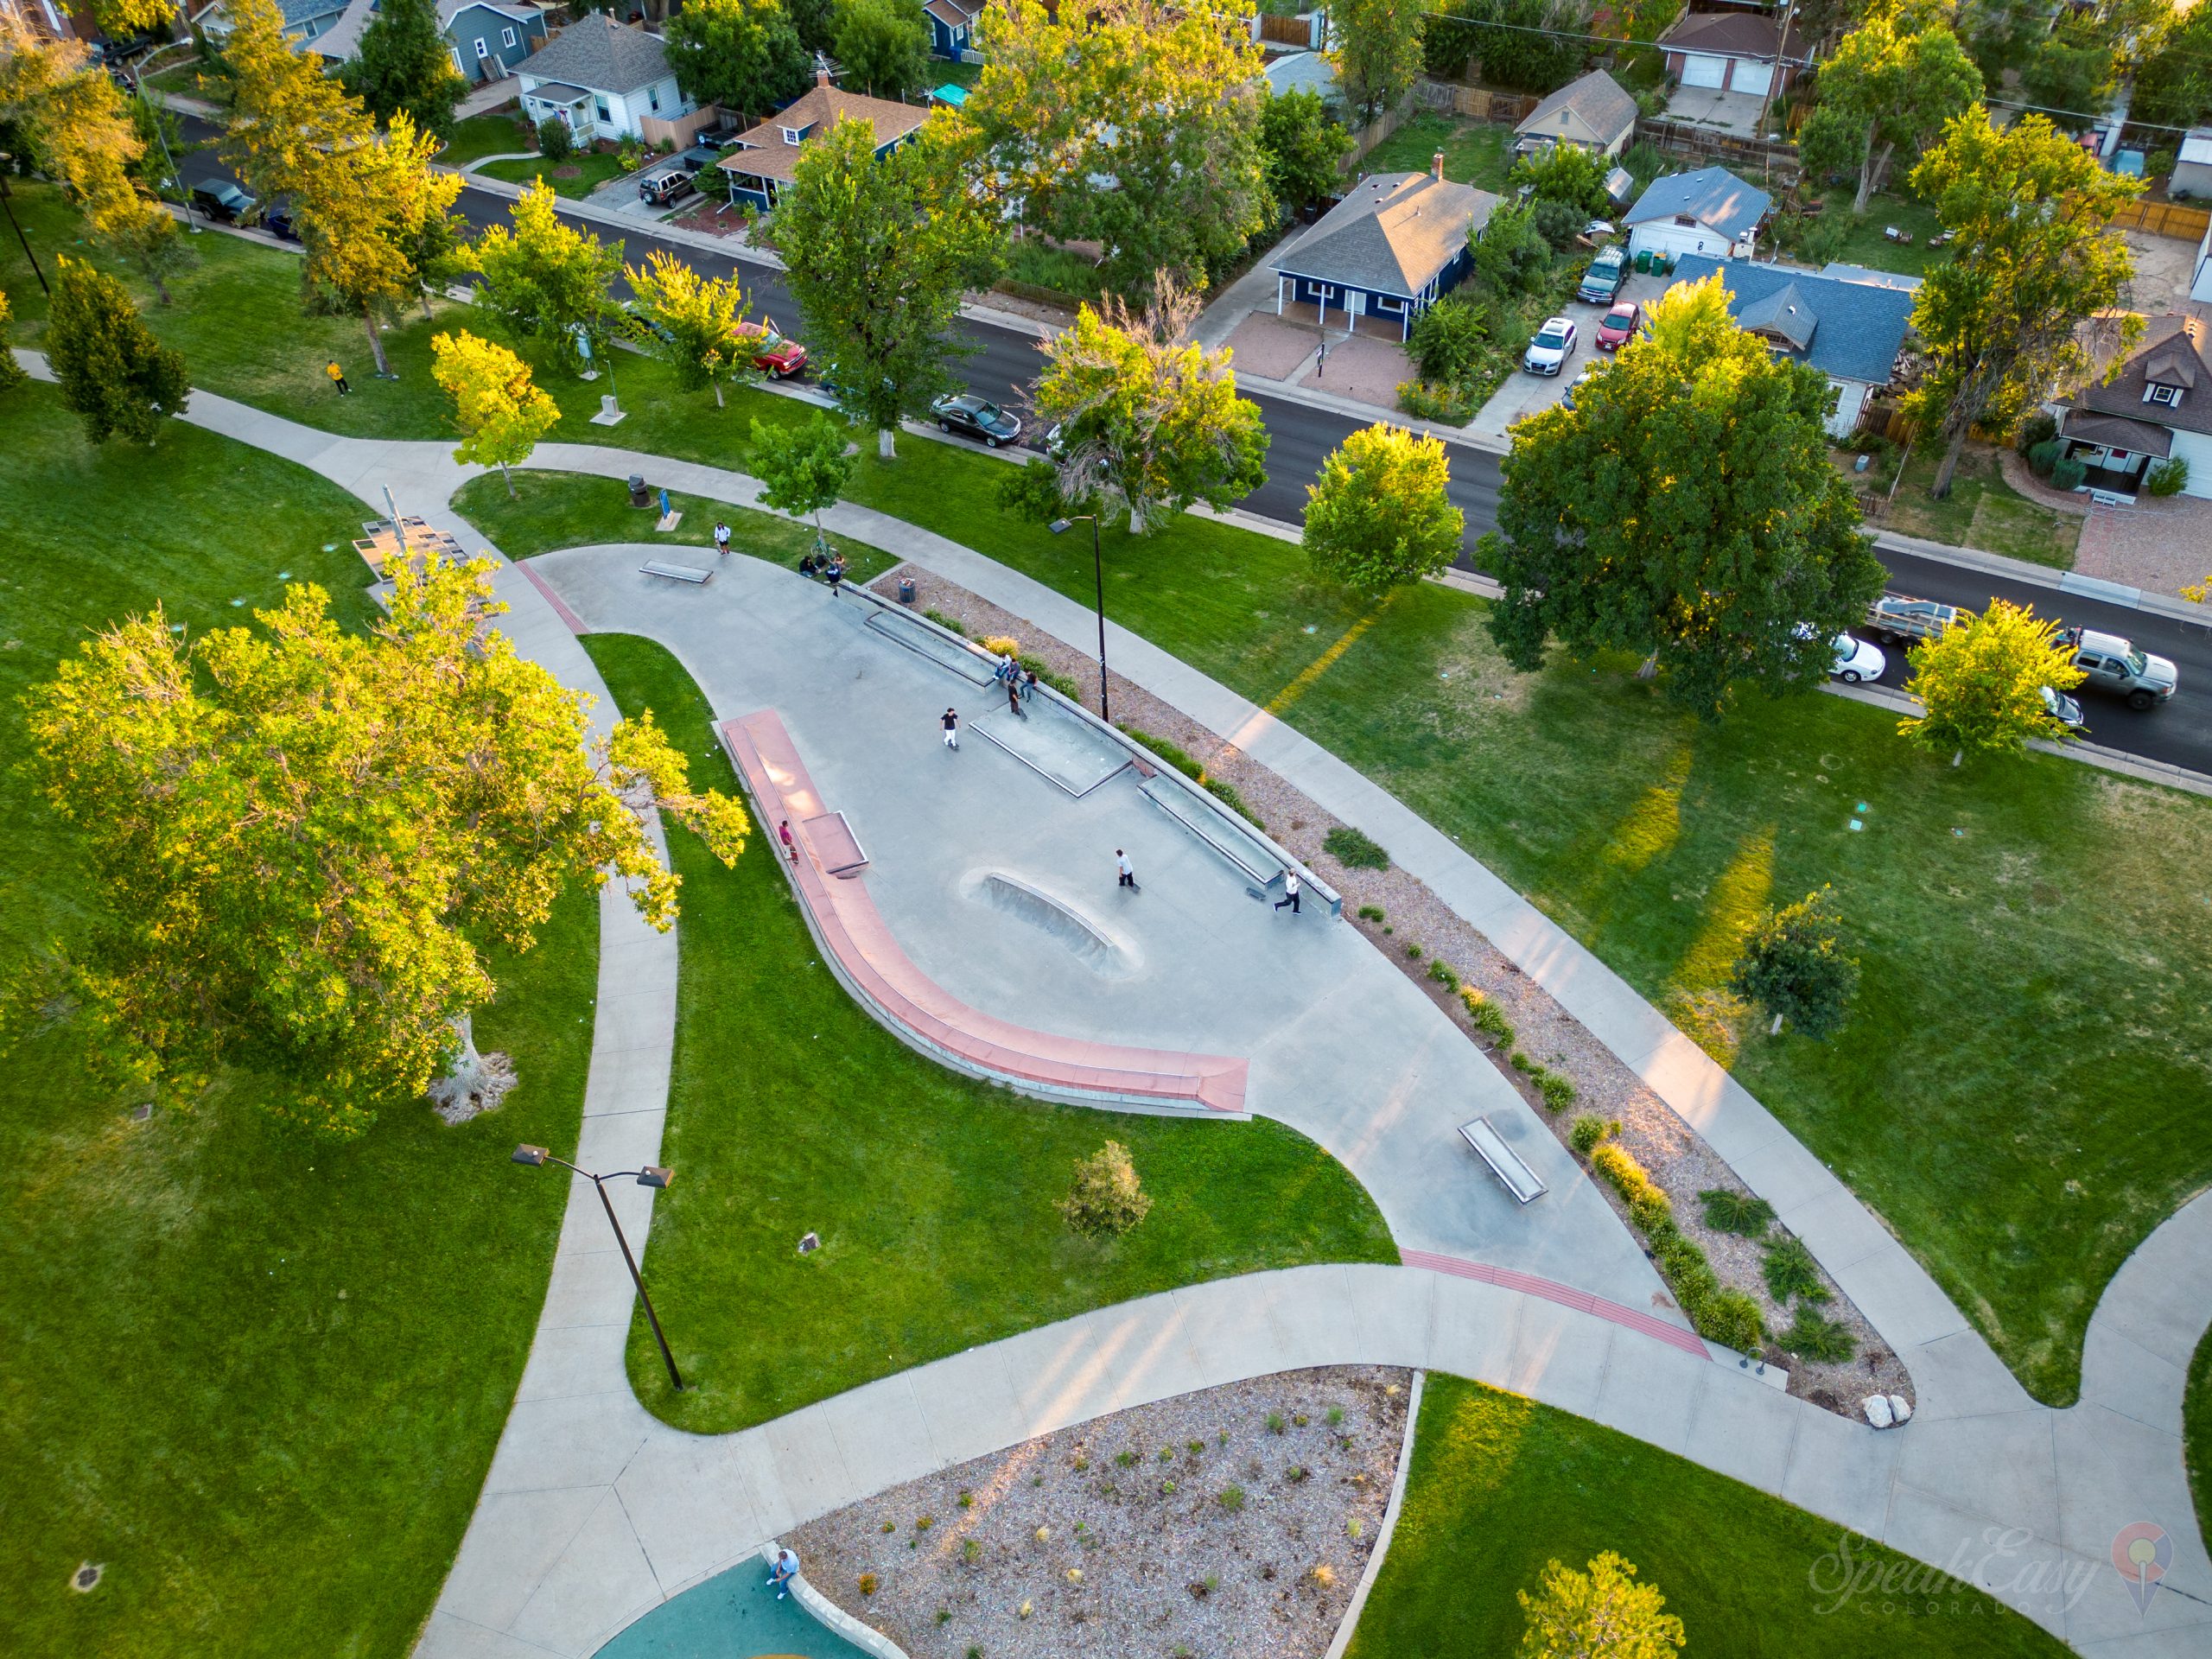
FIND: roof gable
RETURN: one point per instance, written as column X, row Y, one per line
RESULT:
column 763, row 151
column 1597, row 100
column 602, row 54
column 2171, row 354
column 1852, row 331
column 1393, row 234
column 1713, row 196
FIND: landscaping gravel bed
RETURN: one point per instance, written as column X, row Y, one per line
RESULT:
column 1235, row 1521
column 1676, row 1156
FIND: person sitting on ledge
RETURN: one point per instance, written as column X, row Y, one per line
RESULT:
column 807, row 565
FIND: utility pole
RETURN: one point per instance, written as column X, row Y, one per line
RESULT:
column 1780, row 53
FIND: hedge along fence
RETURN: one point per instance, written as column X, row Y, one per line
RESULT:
column 1728, row 1317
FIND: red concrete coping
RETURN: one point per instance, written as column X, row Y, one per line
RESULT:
column 853, row 931
column 1566, row 1295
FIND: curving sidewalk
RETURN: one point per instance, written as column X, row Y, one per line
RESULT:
column 593, row 1511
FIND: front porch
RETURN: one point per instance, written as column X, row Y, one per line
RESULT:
column 2115, row 451
column 1357, row 311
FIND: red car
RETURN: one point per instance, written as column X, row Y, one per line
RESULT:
column 775, row 357
column 1619, row 325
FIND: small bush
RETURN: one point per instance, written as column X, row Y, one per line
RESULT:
column 1519, row 1061
column 1323, row 1575
column 1226, row 793
column 1125, row 1459
column 923, row 1522
column 1231, row 1498
column 1823, row 1341
column 1354, row 849
column 1048, row 675
column 1296, row 1472
column 2168, row 477
column 1790, row 1271
column 1335, row 1416
column 1732, row 1319
column 2037, row 429
column 1558, row 1092
column 1487, row 1015
column 1355, row 1528
column 1426, row 403
column 1735, row 1212
column 2043, row 456
column 1167, row 1455
column 1168, row 752
column 1000, row 645
column 1588, row 1131
column 967, row 1500
column 2068, row 473
column 1106, row 1199
column 951, row 624
column 867, row 1584
column 1275, row 1424
column 1447, row 339
column 1413, row 951
column 1442, row 973
column 1370, row 912
column 1651, row 1209
column 971, row 1551
column 555, row 142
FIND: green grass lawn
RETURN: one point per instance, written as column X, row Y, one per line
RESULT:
column 1057, row 268
column 495, row 133
column 257, row 1378
column 2196, row 1433
column 557, row 510
column 578, row 176
column 1500, row 1485
column 1475, row 152
column 791, row 1110
column 1981, row 511
column 1866, row 246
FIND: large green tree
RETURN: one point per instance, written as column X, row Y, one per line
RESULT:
column 545, row 282
column 2007, row 318
column 305, row 842
column 404, row 64
column 2071, row 76
column 1685, row 509
column 1377, row 51
column 883, row 46
column 742, row 55
column 1980, row 682
column 879, row 253
column 1302, row 146
column 2173, row 87
column 1130, row 123
column 1380, row 514
column 1148, row 420
column 113, row 373
column 803, row 467
column 1899, row 75
column 500, row 412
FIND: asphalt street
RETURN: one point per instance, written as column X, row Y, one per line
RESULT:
column 1004, row 360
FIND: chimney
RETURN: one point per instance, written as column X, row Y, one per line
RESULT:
column 1436, row 167
column 822, row 75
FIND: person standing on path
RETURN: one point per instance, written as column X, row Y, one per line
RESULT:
column 1129, row 871
column 784, row 1570
column 1013, row 698
column 951, row 721
column 1289, row 892
column 337, row 377
column 722, row 538
column 783, row 835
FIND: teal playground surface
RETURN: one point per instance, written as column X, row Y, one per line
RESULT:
column 731, row 1616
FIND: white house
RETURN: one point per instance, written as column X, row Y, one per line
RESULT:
column 603, row 79
column 1710, row 211
column 2159, row 406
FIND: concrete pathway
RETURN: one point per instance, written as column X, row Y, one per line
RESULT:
column 593, row 1511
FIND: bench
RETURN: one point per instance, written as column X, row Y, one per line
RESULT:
column 1516, row 1177
column 690, row 572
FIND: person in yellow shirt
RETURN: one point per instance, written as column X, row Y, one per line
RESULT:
column 337, row 377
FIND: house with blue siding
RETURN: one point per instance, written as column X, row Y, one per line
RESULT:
column 765, row 160
column 952, row 26
column 487, row 40
column 1388, row 250
column 306, row 21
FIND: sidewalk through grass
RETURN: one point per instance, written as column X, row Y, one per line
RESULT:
column 791, row 1111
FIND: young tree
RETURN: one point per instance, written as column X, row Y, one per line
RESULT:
column 884, row 45
column 1685, row 508
column 12, row 373
column 1601, row 1614
column 1153, row 423
column 804, row 468
column 695, row 323
column 1302, row 146
column 2004, row 320
column 404, row 64
column 1793, row 965
column 879, row 253
column 113, row 373
column 1378, row 56
column 1106, row 1199
column 743, row 55
column 1980, row 682
column 1510, row 254
column 1899, row 76
column 501, row 413
column 1380, row 515
column 1151, row 97
column 1565, row 173
column 370, row 815
column 545, row 281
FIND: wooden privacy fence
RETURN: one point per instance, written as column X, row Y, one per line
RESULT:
column 1452, row 98
column 1287, row 31
column 678, row 131
column 1703, row 143
column 2163, row 218
column 1371, row 134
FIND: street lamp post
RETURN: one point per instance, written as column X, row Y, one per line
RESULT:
column 649, row 1176
column 1061, row 526
column 7, row 202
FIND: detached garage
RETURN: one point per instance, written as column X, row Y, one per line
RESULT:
column 1710, row 211
column 1701, row 69
column 1741, row 52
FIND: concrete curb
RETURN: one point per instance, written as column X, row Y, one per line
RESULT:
column 1358, row 1605
column 832, row 1617
column 2169, row 606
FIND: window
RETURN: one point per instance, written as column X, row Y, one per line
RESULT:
column 653, row 96
column 483, row 51
column 455, row 51
column 2157, row 394
column 598, row 105
column 794, row 135
column 506, row 37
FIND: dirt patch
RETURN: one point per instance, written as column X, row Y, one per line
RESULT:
column 1237, row 1520
column 567, row 170
column 1676, row 1157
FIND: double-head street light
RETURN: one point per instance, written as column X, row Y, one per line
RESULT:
column 649, row 1176
column 1060, row 527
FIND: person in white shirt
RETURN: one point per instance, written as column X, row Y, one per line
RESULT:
column 1289, row 892
column 783, row 1571
column 1129, row 871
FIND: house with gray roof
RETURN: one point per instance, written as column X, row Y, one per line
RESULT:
column 305, row 21
column 604, row 78
column 488, row 39
column 1710, row 211
column 2157, row 407
column 1594, row 113
column 1302, row 72
column 1390, row 250
column 1851, row 331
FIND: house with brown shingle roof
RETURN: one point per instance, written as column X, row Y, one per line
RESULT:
column 1733, row 52
column 2157, row 407
column 766, row 158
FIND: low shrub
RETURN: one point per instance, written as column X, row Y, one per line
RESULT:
column 1414, row 951
column 2168, row 477
column 1732, row 1319
column 1447, row 339
column 867, row 1584
column 1000, row 645
column 1231, row 1498
column 1824, row 1341
column 1487, row 1015
column 1226, row 793
column 1370, row 912
column 2043, row 456
column 555, row 142
column 1426, row 403
column 1588, row 1131
column 2068, row 473
column 951, row 624
column 1275, row 1424
column 1174, row 755
column 1354, row 849
column 2036, row 429
column 1790, row 1271
column 1106, row 1199
column 1442, row 973
column 1618, row 1165
column 1651, row 1208
column 1060, row 683
column 1521, row 1062
column 1735, row 1212
column 1559, row 1091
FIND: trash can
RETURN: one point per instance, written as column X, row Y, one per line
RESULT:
column 639, row 497
column 1643, row 259
column 906, row 590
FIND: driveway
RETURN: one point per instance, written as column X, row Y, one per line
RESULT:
column 1737, row 113
column 1524, row 393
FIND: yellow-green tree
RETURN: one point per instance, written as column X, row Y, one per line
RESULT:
column 501, row 414
column 546, row 282
column 11, row 372
column 369, row 815
column 1601, row 1614
column 693, row 322
column 1980, row 682
column 1376, row 51
column 1380, row 515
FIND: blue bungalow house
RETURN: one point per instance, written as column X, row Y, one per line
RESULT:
column 488, row 39
column 1390, row 250
column 952, row 26
column 766, row 159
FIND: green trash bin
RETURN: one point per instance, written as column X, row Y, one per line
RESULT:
column 1643, row 259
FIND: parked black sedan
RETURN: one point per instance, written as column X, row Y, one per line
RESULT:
column 975, row 417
